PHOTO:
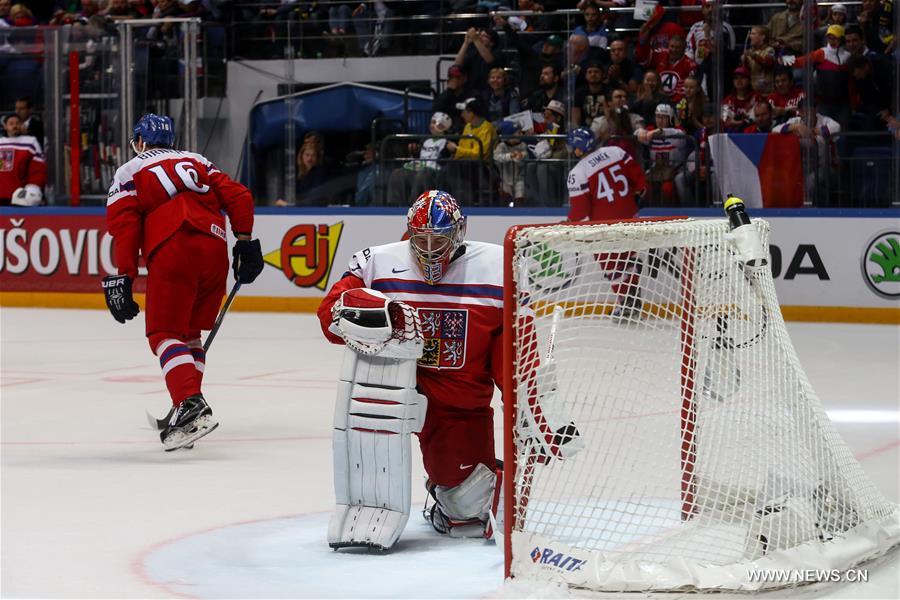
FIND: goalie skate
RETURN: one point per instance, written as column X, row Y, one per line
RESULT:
column 191, row 421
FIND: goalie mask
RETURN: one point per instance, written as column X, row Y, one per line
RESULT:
column 436, row 229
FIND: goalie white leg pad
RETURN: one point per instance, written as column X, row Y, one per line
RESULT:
column 377, row 409
column 466, row 510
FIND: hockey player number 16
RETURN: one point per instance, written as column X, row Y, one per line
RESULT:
column 190, row 179
column 606, row 191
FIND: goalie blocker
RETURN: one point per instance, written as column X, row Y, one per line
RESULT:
column 377, row 409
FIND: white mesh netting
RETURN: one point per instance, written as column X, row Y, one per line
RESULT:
column 666, row 436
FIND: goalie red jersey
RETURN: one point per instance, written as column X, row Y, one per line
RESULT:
column 461, row 318
column 604, row 184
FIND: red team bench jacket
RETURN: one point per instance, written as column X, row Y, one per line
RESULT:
column 21, row 163
column 161, row 191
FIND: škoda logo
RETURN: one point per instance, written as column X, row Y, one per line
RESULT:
column 881, row 264
column 307, row 254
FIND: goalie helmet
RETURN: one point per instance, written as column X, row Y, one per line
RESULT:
column 29, row 195
column 154, row 130
column 436, row 230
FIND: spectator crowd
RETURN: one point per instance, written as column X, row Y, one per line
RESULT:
column 650, row 87
column 524, row 73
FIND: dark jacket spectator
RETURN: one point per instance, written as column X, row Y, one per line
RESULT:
column 578, row 54
column 478, row 55
column 622, row 71
column 870, row 98
column 500, row 99
column 690, row 108
column 786, row 28
column 529, row 26
column 118, row 10
column 763, row 120
column 532, row 59
column 649, row 96
column 455, row 92
column 5, row 6
column 593, row 28
column 310, row 175
column 870, row 19
column 31, row 123
column 618, row 121
column 590, row 100
column 550, row 89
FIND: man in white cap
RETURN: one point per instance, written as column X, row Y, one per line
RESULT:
column 837, row 15
column 544, row 178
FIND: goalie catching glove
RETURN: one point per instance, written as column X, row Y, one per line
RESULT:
column 374, row 325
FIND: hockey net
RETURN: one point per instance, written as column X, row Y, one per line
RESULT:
column 660, row 431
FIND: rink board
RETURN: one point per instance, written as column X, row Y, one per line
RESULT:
column 828, row 265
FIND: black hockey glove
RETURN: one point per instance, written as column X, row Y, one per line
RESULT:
column 117, row 289
column 247, row 262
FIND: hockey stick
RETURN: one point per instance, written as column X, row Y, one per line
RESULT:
column 535, row 454
column 221, row 317
column 160, row 424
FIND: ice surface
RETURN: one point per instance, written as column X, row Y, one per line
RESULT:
column 92, row 507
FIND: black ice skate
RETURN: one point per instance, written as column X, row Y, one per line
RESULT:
column 628, row 308
column 191, row 421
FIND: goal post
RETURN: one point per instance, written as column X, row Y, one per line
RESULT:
column 659, row 431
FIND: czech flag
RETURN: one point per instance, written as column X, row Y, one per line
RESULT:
column 764, row 170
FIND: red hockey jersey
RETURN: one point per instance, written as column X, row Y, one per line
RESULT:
column 790, row 102
column 671, row 76
column 462, row 317
column 603, row 186
column 21, row 163
column 160, row 191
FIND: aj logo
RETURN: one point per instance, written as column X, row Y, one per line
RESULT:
column 881, row 265
column 307, row 254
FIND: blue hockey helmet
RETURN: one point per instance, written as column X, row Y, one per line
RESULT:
column 581, row 139
column 155, row 130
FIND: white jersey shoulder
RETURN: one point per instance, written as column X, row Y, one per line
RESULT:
column 474, row 277
column 28, row 143
column 602, row 157
column 368, row 261
column 123, row 180
column 149, row 158
column 590, row 164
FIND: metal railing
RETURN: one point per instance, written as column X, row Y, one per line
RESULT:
column 472, row 181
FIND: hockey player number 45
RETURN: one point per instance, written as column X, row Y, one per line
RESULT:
column 190, row 179
column 605, row 191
